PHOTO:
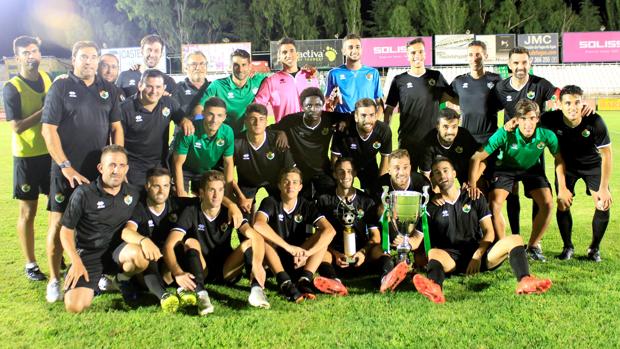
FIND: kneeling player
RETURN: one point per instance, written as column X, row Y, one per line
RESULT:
column 199, row 248
column 286, row 222
column 462, row 235
column 95, row 215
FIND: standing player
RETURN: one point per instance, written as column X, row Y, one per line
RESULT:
column 211, row 146
column 146, row 121
column 450, row 141
column 91, row 230
column 586, row 149
column 79, row 114
column 417, row 93
column 282, row 89
column 237, row 90
column 519, row 160
column 23, row 104
column 461, row 234
column 108, row 67
column 478, row 110
column 362, row 140
column 151, row 47
column 352, row 81
column 293, row 249
column 189, row 91
column 257, row 159
column 205, row 254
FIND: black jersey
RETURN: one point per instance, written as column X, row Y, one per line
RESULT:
column 188, row 96
column 536, row 89
column 363, row 151
column 310, row 145
column 461, row 150
column 129, row 79
column 478, row 110
column 157, row 226
column 83, row 115
column 293, row 226
column 147, row 132
column 97, row 216
column 417, row 183
column 456, row 225
column 364, row 210
column 418, row 99
column 214, row 234
column 579, row 146
column 261, row 166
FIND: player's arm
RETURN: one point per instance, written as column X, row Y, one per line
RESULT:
column 182, row 278
column 243, row 202
column 326, row 235
column 54, row 146
column 384, row 164
column 476, row 167
column 179, row 118
column 486, row 224
column 262, row 226
column 258, row 252
column 118, row 135
column 12, row 108
column 177, row 162
column 229, row 166
column 391, row 102
column 77, row 269
column 234, row 213
column 131, row 235
column 603, row 193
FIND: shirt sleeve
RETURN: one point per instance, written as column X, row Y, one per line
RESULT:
column 75, row 209
column 137, row 216
column 53, row 108
column 230, row 143
column 482, row 207
column 331, row 82
column 12, row 102
column 392, row 97
column 497, row 140
column 549, row 89
column 442, row 84
column 185, row 223
column 171, row 85
column 182, row 143
column 289, row 161
column 337, row 143
column 601, row 134
column 378, row 89
column 386, row 142
column 263, row 96
column 313, row 214
column 426, row 156
column 552, row 142
column 268, row 207
column 177, row 112
column 115, row 112
column 210, row 92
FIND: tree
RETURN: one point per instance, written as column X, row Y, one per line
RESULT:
column 504, row 19
column 589, row 17
column 612, row 9
column 110, row 28
column 400, row 22
column 352, row 11
column 445, row 17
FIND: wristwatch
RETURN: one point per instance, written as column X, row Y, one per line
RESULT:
column 65, row 164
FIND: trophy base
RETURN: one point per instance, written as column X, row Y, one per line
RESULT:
column 351, row 260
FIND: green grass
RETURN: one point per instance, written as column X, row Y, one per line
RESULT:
column 581, row 310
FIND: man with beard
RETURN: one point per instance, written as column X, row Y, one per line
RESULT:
column 151, row 47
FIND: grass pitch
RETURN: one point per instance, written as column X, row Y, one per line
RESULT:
column 581, row 310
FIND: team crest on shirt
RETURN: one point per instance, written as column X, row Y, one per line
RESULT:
column 490, row 85
column 128, row 199
column 376, row 145
column 369, row 76
column 325, row 131
column 220, row 142
column 165, row 112
column 585, row 133
column 201, row 227
column 466, row 208
column 431, row 82
column 360, row 213
column 151, row 223
column 104, row 94
column 270, row 155
column 458, row 149
column 25, row 188
column 531, row 94
column 224, row 227
column 100, row 204
column 281, row 217
column 59, row 198
column 298, row 218
column 173, row 218
column 540, row 145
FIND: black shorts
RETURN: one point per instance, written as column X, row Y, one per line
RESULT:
column 532, row 178
column 214, row 259
column 98, row 262
column 31, row 177
column 60, row 191
column 462, row 257
column 317, row 185
column 191, row 181
column 591, row 177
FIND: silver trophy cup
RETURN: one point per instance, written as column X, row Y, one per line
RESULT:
column 405, row 208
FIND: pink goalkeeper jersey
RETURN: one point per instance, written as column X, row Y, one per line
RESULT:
column 282, row 91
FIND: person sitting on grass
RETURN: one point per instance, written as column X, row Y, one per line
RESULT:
column 462, row 235
column 198, row 249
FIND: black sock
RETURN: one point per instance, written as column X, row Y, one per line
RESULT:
column 513, row 209
column 306, row 274
column 282, row 277
column 247, row 261
column 153, row 280
column 192, row 259
column 565, row 224
column 386, row 264
column 518, row 262
column 327, row 270
column 599, row 225
column 534, row 210
column 435, row 272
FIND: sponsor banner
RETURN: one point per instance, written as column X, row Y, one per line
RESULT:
column 498, row 47
column 317, row 53
column 452, row 49
column 609, row 104
column 544, row 48
column 591, row 47
column 392, row 52
column 218, row 55
column 129, row 56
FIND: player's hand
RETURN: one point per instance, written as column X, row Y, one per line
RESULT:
column 75, row 272
column 245, row 204
column 359, row 257
column 586, row 110
column 188, row 126
column 135, row 67
column 281, row 141
column 259, row 273
column 74, row 177
column 603, row 200
column 565, row 198
column 185, row 280
column 438, row 200
column 473, row 267
column 296, row 251
column 511, row 124
column 182, row 193
column 150, row 250
column 397, row 240
column 473, row 191
column 341, row 126
column 300, row 261
column 340, row 259
column 234, row 215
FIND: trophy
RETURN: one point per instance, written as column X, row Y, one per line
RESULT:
column 403, row 209
column 346, row 214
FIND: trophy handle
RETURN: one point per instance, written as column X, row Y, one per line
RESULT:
column 425, row 195
column 385, row 197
